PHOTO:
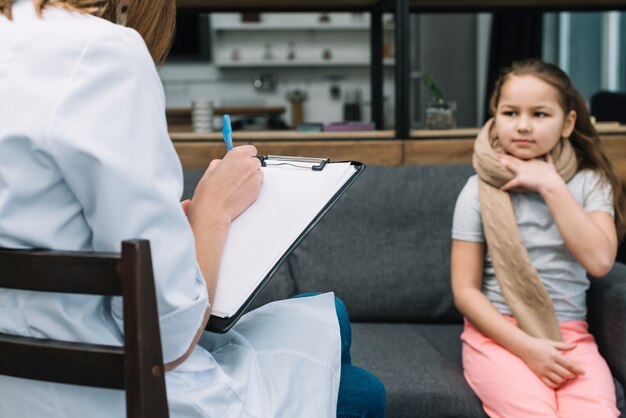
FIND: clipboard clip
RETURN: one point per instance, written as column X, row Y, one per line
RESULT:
column 316, row 164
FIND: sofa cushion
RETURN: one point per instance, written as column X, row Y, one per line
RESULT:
column 420, row 366
column 384, row 248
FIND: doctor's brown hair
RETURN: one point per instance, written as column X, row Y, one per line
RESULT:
column 153, row 19
column 590, row 153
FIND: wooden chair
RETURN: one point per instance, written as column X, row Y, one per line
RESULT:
column 137, row 367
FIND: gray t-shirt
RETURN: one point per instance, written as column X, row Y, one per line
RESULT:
column 563, row 277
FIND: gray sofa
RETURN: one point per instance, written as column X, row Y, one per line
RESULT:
column 384, row 249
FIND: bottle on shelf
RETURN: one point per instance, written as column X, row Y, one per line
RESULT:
column 268, row 55
column 352, row 105
column 291, row 51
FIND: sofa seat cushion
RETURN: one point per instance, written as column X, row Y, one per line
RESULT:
column 621, row 396
column 384, row 247
column 420, row 366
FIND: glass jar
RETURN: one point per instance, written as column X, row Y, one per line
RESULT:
column 440, row 116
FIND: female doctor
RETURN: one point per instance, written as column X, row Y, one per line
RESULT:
column 86, row 162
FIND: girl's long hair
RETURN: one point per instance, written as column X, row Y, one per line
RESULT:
column 589, row 150
column 153, row 19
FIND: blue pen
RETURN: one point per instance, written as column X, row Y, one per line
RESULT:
column 227, row 133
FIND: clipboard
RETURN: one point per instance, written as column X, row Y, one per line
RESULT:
column 296, row 193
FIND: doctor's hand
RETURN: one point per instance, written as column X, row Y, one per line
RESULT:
column 228, row 187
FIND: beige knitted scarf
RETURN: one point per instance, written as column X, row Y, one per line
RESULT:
column 519, row 281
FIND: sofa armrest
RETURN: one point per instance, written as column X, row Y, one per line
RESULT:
column 606, row 302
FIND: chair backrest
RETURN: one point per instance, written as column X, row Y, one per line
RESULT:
column 137, row 367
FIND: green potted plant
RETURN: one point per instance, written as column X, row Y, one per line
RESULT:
column 439, row 113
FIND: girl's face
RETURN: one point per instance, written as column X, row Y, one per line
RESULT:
column 529, row 119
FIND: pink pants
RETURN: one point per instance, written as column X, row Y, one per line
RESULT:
column 508, row 388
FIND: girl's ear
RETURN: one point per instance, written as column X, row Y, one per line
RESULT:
column 569, row 123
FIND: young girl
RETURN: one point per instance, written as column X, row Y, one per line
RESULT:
column 544, row 209
column 86, row 162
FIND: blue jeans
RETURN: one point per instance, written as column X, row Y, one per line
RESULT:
column 361, row 394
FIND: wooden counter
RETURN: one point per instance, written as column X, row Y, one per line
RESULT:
column 456, row 146
column 282, row 136
column 196, row 155
column 604, row 129
column 370, row 147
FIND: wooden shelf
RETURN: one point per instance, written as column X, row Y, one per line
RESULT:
column 609, row 129
column 603, row 129
column 340, row 40
column 197, row 155
column 283, row 136
column 370, row 147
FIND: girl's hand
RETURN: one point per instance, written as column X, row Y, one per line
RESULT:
column 530, row 175
column 545, row 359
column 227, row 187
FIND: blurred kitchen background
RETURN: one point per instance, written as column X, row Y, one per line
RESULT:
column 312, row 70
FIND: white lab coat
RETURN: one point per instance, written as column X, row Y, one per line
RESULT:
column 85, row 162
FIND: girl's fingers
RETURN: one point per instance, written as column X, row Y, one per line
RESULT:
column 564, row 372
column 564, row 346
column 556, row 378
column 549, row 383
column 563, row 362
